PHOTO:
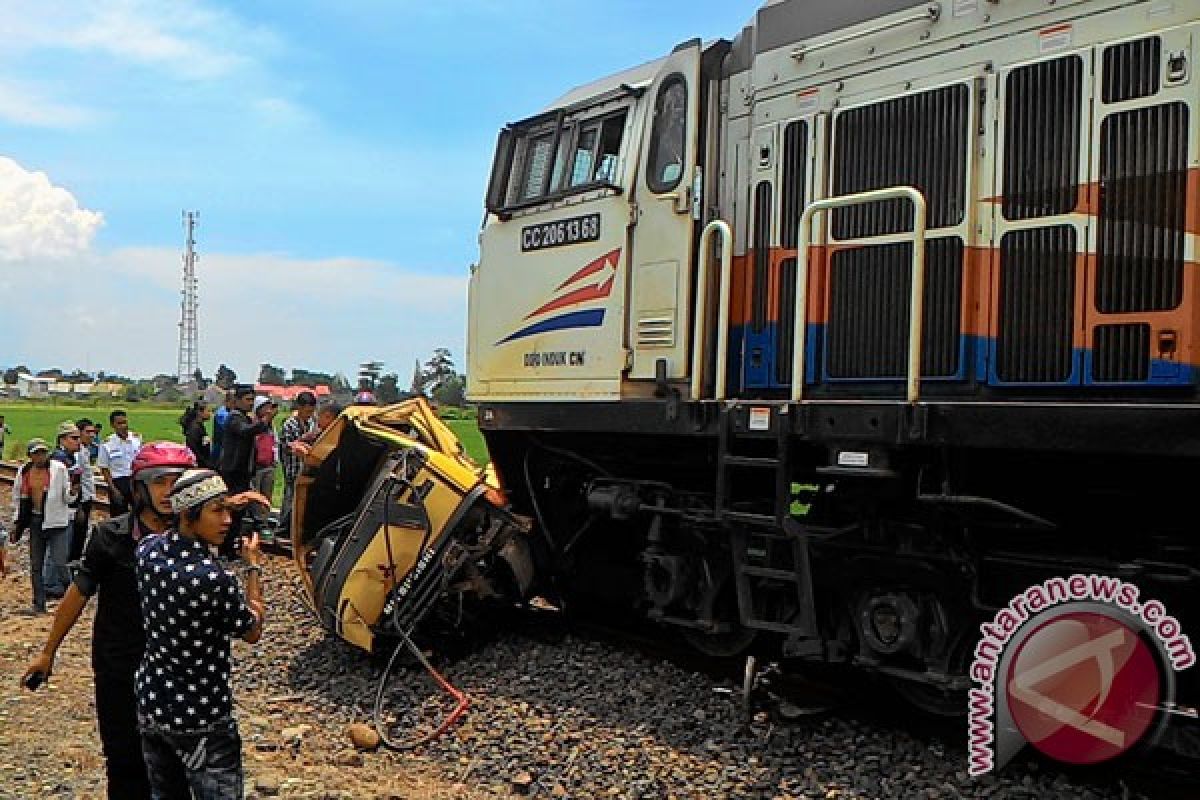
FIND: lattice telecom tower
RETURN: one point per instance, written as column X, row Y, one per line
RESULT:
column 189, row 327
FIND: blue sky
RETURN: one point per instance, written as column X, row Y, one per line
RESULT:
column 337, row 153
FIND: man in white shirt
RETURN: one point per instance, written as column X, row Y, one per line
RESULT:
column 116, row 462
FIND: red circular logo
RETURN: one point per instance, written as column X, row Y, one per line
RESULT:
column 1083, row 688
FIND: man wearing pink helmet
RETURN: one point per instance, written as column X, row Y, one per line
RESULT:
column 107, row 569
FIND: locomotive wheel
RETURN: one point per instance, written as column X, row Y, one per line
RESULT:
column 946, row 703
column 731, row 643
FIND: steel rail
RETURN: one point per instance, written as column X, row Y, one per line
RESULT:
column 8, row 476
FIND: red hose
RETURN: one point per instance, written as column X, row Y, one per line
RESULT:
column 461, row 701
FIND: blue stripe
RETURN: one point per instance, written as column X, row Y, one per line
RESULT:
column 592, row 318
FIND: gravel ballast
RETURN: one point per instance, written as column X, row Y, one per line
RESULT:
column 551, row 716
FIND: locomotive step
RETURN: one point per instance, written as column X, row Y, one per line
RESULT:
column 751, row 461
column 773, row 627
column 770, row 572
column 856, row 472
column 748, row 518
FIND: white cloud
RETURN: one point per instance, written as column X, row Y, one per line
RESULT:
column 100, row 48
column 25, row 105
column 189, row 40
column 38, row 220
column 325, row 314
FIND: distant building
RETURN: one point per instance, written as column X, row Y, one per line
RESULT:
column 30, row 386
column 100, row 388
column 286, row 394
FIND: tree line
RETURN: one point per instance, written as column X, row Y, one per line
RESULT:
column 436, row 378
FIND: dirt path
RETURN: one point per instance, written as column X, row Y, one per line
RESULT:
column 49, row 747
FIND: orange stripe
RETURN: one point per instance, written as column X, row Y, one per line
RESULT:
column 980, row 298
column 1088, row 201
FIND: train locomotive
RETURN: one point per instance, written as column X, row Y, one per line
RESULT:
column 838, row 334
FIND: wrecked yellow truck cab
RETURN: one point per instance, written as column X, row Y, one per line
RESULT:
column 392, row 521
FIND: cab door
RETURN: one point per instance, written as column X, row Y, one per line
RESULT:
column 663, row 226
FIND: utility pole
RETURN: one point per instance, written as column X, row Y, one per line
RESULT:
column 189, row 327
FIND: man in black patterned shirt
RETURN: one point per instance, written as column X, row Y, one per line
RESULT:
column 192, row 608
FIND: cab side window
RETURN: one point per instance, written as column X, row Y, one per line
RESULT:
column 596, row 150
column 668, row 136
column 555, row 155
column 539, row 152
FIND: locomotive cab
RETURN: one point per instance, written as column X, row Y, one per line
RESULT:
column 598, row 200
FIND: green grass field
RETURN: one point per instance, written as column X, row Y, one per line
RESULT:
column 28, row 420
column 153, row 422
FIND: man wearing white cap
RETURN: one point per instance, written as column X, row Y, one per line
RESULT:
column 56, row 576
column 193, row 607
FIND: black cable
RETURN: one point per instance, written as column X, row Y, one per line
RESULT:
column 461, row 699
column 572, row 455
column 537, row 509
column 406, row 640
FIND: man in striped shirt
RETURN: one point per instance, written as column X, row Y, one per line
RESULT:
column 300, row 423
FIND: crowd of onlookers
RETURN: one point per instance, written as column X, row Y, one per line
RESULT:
column 245, row 445
column 55, row 489
column 169, row 604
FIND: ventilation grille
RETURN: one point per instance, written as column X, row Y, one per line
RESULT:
column 1131, row 70
column 1037, row 300
column 795, row 160
column 1121, row 353
column 919, row 140
column 762, row 255
column 1041, row 138
column 869, row 310
column 787, row 321
column 656, row 332
column 1143, row 202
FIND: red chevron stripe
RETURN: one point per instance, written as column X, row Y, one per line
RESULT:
column 575, row 297
column 592, row 268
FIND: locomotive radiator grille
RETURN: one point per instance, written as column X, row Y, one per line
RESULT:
column 919, row 140
column 869, row 310
column 791, row 208
column 787, row 319
column 1121, row 353
column 1143, row 204
column 795, row 157
column 1041, row 138
column 762, row 256
column 1036, row 304
column 1131, row 70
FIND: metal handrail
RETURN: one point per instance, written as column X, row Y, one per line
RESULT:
column 700, row 326
column 930, row 13
column 916, row 300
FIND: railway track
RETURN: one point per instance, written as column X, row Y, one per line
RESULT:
column 8, row 474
